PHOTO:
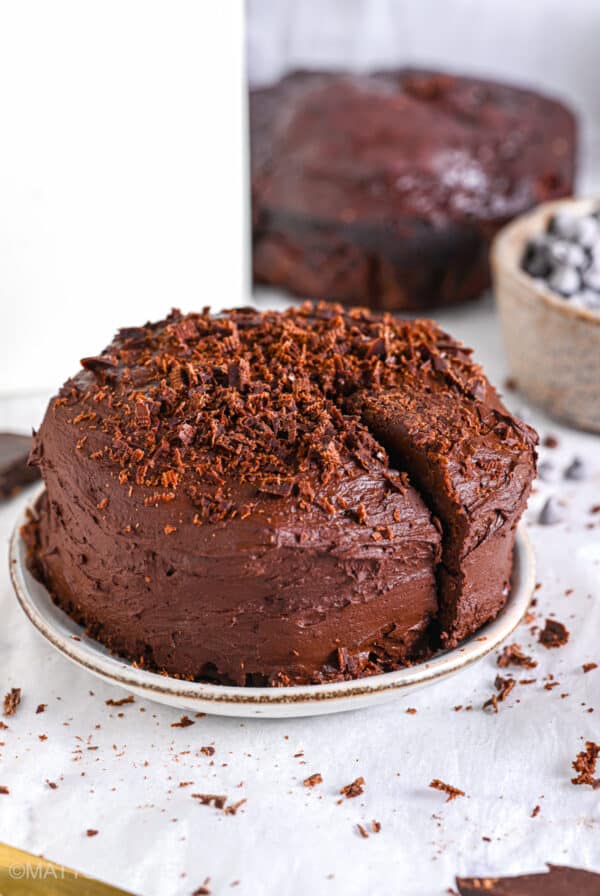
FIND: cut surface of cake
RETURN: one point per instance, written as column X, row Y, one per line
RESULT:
column 278, row 498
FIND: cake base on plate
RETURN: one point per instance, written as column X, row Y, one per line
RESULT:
column 70, row 639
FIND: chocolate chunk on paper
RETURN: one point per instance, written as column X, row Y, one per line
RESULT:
column 557, row 881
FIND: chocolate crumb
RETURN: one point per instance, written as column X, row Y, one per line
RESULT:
column 184, row 722
column 211, row 799
column 554, row 634
column 491, row 702
column 11, row 701
column 587, row 667
column 514, row 656
column 233, row 807
column 41, row 707
column 375, row 826
column 362, row 831
column 313, row 780
column 411, row 711
column 550, row 441
column 122, row 702
column 585, row 765
column 52, row 785
column 91, row 832
column 452, row 792
column 207, row 751
column 4, row 790
column 535, row 811
column 203, row 889
column 504, row 686
column 356, row 788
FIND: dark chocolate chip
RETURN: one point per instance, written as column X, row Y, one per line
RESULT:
column 577, row 470
column 551, row 513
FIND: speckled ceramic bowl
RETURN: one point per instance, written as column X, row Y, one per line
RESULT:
column 553, row 349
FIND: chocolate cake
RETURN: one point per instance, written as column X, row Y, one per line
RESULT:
column 388, row 187
column 279, row 498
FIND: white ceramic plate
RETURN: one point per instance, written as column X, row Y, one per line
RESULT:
column 70, row 639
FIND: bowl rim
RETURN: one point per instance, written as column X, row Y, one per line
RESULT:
column 508, row 246
column 69, row 639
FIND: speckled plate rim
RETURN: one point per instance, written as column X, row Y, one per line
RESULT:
column 70, row 639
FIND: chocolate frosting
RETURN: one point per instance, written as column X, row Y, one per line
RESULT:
column 220, row 502
column 387, row 187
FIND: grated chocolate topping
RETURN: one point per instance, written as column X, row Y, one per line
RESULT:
column 263, row 397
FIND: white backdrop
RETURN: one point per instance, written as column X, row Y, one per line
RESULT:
column 122, row 145
column 549, row 44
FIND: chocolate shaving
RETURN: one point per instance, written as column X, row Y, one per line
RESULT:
column 233, row 807
column 122, row 702
column 550, row 441
column 356, row 788
column 219, row 801
column 267, row 395
column 452, row 792
column 585, row 765
column 11, row 701
column 211, row 799
column 184, row 722
column 313, row 780
column 98, row 363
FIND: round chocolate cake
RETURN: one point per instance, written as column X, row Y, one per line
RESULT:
column 386, row 188
column 279, row 498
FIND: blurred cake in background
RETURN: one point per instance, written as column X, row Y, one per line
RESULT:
column 387, row 188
